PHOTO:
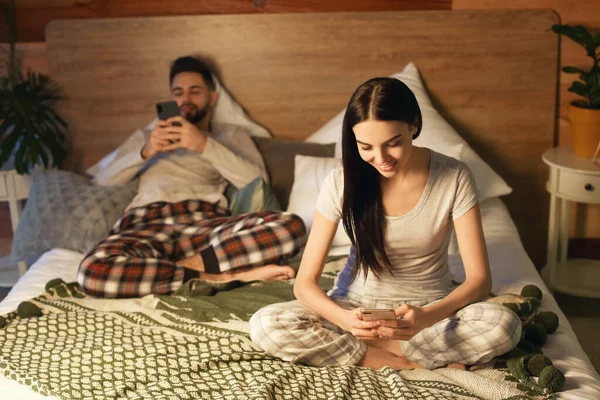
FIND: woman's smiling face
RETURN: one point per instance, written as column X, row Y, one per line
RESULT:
column 386, row 145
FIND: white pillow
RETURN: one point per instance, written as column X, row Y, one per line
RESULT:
column 227, row 111
column 309, row 175
column 436, row 134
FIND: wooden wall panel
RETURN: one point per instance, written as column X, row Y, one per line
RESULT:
column 322, row 58
column 34, row 56
column 34, row 15
column 585, row 220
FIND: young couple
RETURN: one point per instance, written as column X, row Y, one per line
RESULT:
column 398, row 203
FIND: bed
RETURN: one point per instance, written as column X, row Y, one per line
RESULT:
column 491, row 74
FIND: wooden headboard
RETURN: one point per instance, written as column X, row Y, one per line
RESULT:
column 492, row 74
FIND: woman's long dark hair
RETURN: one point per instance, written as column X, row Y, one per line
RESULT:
column 382, row 99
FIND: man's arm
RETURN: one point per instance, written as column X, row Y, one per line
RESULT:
column 126, row 163
column 236, row 158
column 234, row 155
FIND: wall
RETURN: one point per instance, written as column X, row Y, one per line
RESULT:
column 585, row 219
column 33, row 15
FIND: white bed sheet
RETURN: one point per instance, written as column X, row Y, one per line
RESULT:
column 511, row 269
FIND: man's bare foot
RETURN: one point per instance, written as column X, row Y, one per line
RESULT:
column 271, row 272
column 457, row 366
column 194, row 262
column 376, row 358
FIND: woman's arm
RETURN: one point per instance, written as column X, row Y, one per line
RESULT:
column 306, row 287
column 478, row 282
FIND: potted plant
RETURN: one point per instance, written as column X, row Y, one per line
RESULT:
column 584, row 113
column 31, row 132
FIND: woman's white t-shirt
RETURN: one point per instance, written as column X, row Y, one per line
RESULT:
column 417, row 242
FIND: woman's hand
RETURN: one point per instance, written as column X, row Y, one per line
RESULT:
column 410, row 320
column 351, row 321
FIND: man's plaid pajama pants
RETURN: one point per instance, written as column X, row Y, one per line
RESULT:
column 140, row 255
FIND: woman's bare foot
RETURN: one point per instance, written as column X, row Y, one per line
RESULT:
column 392, row 346
column 376, row 358
column 457, row 366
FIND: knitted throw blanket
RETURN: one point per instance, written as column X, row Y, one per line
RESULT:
column 195, row 344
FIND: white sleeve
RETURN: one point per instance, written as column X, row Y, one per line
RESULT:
column 123, row 164
column 329, row 202
column 466, row 193
column 237, row 159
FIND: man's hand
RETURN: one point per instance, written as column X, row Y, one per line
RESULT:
column 186, row 136
column 158, row 141
column 166, row 137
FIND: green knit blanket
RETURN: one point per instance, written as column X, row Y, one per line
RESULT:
column 195, row 344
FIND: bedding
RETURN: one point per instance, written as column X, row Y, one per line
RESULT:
column 309, row 175
column 254, row 197
column 279, row 156
column 64, row 210
column 511, row 270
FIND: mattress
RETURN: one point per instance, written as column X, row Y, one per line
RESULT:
column 511, row 269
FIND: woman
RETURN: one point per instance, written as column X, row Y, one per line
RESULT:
column 399, row 204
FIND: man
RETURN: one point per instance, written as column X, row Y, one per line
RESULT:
column 177, row 226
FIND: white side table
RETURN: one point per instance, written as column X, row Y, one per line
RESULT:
column 13, row 189
column 572, row 179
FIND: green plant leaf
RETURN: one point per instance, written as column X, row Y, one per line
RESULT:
column 574, row 70
column 595, row 99
column 579, row 88
column 8, row 141
column 27, row 105
column 580, row 35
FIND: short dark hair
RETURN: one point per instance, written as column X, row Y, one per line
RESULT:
column 192, row 64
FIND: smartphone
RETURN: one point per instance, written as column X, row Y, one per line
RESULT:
column 376, row 314
column 166, row 110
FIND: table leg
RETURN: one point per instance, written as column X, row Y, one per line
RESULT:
column 15, row 208
column 564, row 229
column 553, row 231
column 22, row 268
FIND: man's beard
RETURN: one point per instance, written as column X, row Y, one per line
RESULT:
column 197, row 115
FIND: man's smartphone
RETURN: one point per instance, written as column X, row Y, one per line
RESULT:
column 166, row 110
column 376, row 314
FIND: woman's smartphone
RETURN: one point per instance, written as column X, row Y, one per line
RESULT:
column 376, row 314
